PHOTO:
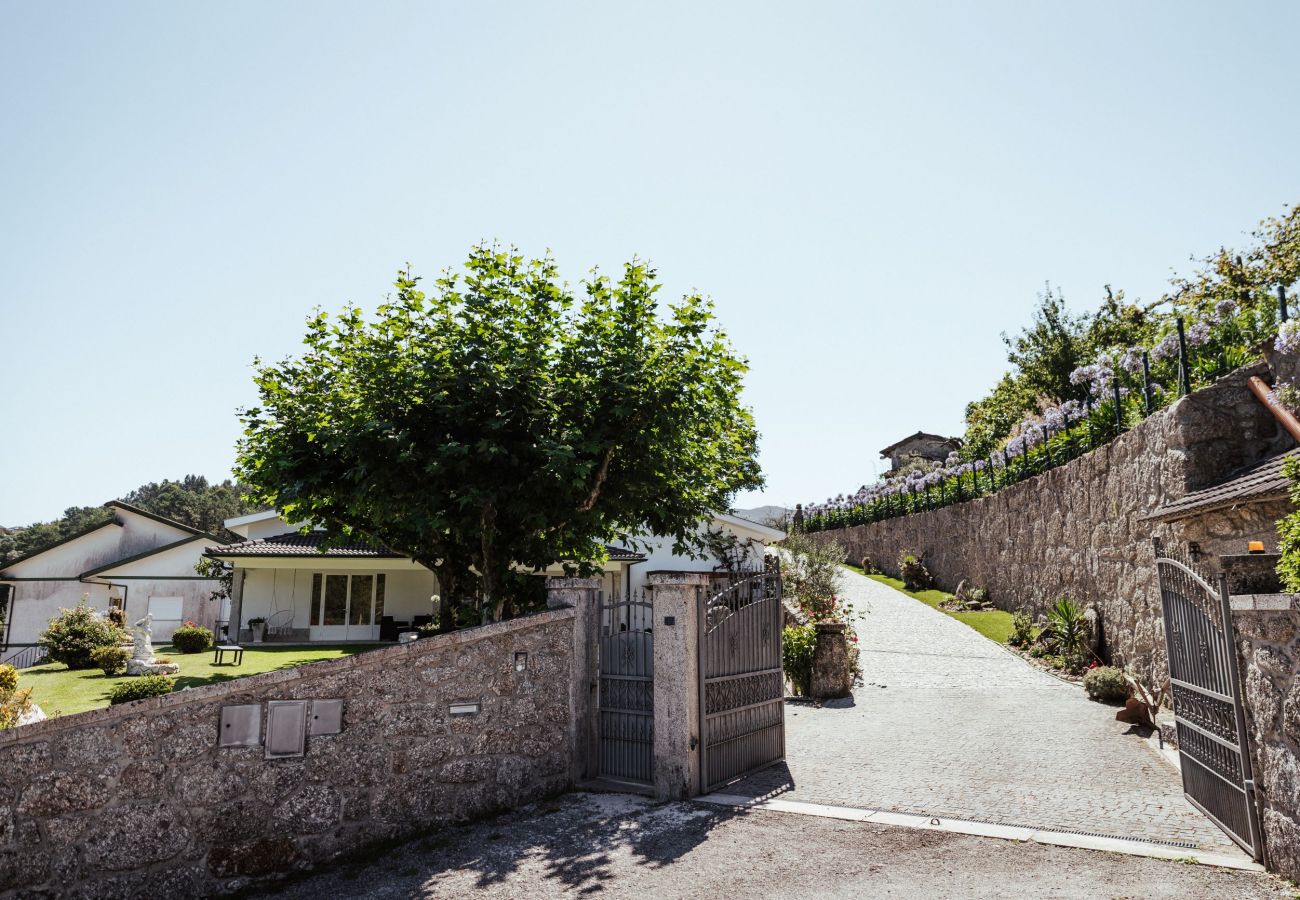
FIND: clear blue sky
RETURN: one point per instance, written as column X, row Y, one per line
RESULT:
column 870, row 192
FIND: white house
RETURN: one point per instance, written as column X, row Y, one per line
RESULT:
column 136, row 561
column 359, row 592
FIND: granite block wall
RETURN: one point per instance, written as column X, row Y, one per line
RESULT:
column 1268, row 642
column 138, row 799
column 1081, row 530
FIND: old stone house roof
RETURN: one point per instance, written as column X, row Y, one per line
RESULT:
column 1261, row 482
column 922, row 436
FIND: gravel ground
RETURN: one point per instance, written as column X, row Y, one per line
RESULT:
column 614, row 846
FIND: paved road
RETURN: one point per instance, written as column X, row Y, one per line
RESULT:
column 614, row 846
column 950, row 724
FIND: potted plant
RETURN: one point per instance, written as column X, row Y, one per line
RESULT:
column 258, row 626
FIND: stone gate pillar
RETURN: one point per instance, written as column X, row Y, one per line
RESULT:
column 676, row 598
column 582, row 595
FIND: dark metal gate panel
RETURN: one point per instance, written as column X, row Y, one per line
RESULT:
column 742, row 685
column 626, row 699
column 1211, row 722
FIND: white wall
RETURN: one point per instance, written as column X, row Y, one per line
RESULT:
column 36, row 602
column 268, row 591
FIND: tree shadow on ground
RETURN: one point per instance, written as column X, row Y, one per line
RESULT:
column 578, row 841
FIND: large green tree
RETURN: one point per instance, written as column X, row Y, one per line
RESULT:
column 499, row 420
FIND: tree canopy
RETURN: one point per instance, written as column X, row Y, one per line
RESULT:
column 500, row 421
column 1056, row 342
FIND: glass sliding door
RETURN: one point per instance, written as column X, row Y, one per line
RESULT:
column 361, row 609
column 346, row 607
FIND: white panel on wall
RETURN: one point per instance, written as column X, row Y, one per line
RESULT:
column 166, row 608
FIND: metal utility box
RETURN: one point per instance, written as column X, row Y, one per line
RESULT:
column 241, row 726
column 326, row 717
column 286, row 728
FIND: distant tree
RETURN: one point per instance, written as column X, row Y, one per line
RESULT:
column 991, row 419
column 1049, row 349
column 500, row 421
column 191, row 501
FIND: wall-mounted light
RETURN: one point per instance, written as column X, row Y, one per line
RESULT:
column 464, row 709
column 1255, row 546
column 521, row 661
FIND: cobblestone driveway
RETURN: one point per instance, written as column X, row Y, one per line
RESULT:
column 948, row 723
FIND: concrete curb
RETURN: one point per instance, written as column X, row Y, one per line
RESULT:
column 984, row 829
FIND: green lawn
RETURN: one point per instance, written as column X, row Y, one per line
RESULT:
column 994, row 624
column 60, row 691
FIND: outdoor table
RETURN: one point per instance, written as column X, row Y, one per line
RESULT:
column 221, row 650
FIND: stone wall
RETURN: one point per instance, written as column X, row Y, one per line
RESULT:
column 1080, row 530
column 138, row 799
column 1268, row 641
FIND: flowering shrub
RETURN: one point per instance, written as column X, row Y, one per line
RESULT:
column 73, row 635
column 110, row 660
column 13, row 702
column 1218, row 341
column 1105, row 684
column 191, row 638
column 798, row 647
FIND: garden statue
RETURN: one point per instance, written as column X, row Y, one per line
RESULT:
column 142, row 661
column 143, row 649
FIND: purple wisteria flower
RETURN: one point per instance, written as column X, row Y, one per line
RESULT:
column 1097, row 376
column 1225, row 309
column 1131, row 361
column 1167, row 348
column 1288, row 337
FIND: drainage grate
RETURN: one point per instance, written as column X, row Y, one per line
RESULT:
column 1182, row 845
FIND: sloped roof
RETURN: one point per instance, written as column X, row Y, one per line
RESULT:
column 1263, row 481
column 922, row 435
column 309, row 545
column 295, row 544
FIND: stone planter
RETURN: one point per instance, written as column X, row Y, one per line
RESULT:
column 832, row 675
column 259, row 630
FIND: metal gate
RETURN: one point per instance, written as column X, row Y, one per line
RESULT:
column 626, row 699
column 742, row 685
column 1212, row 743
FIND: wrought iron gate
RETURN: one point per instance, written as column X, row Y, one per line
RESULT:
column 1212, row 742
column 626, row 698
column 742, row 685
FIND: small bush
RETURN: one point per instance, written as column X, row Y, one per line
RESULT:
column 428, row 629
column 117, row 616
column 1022, row 630
column 191, row 638
column 14, row 703
column 916, row 577
column 111, row 659
column 1106, row 684
column 140, row 688
column 1068, row 630
column 979, row 595
column 75, row 633
column 869, row 566
column 8, row 679
column 798, row 646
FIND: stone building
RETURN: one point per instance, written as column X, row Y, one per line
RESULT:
column 919, row 446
